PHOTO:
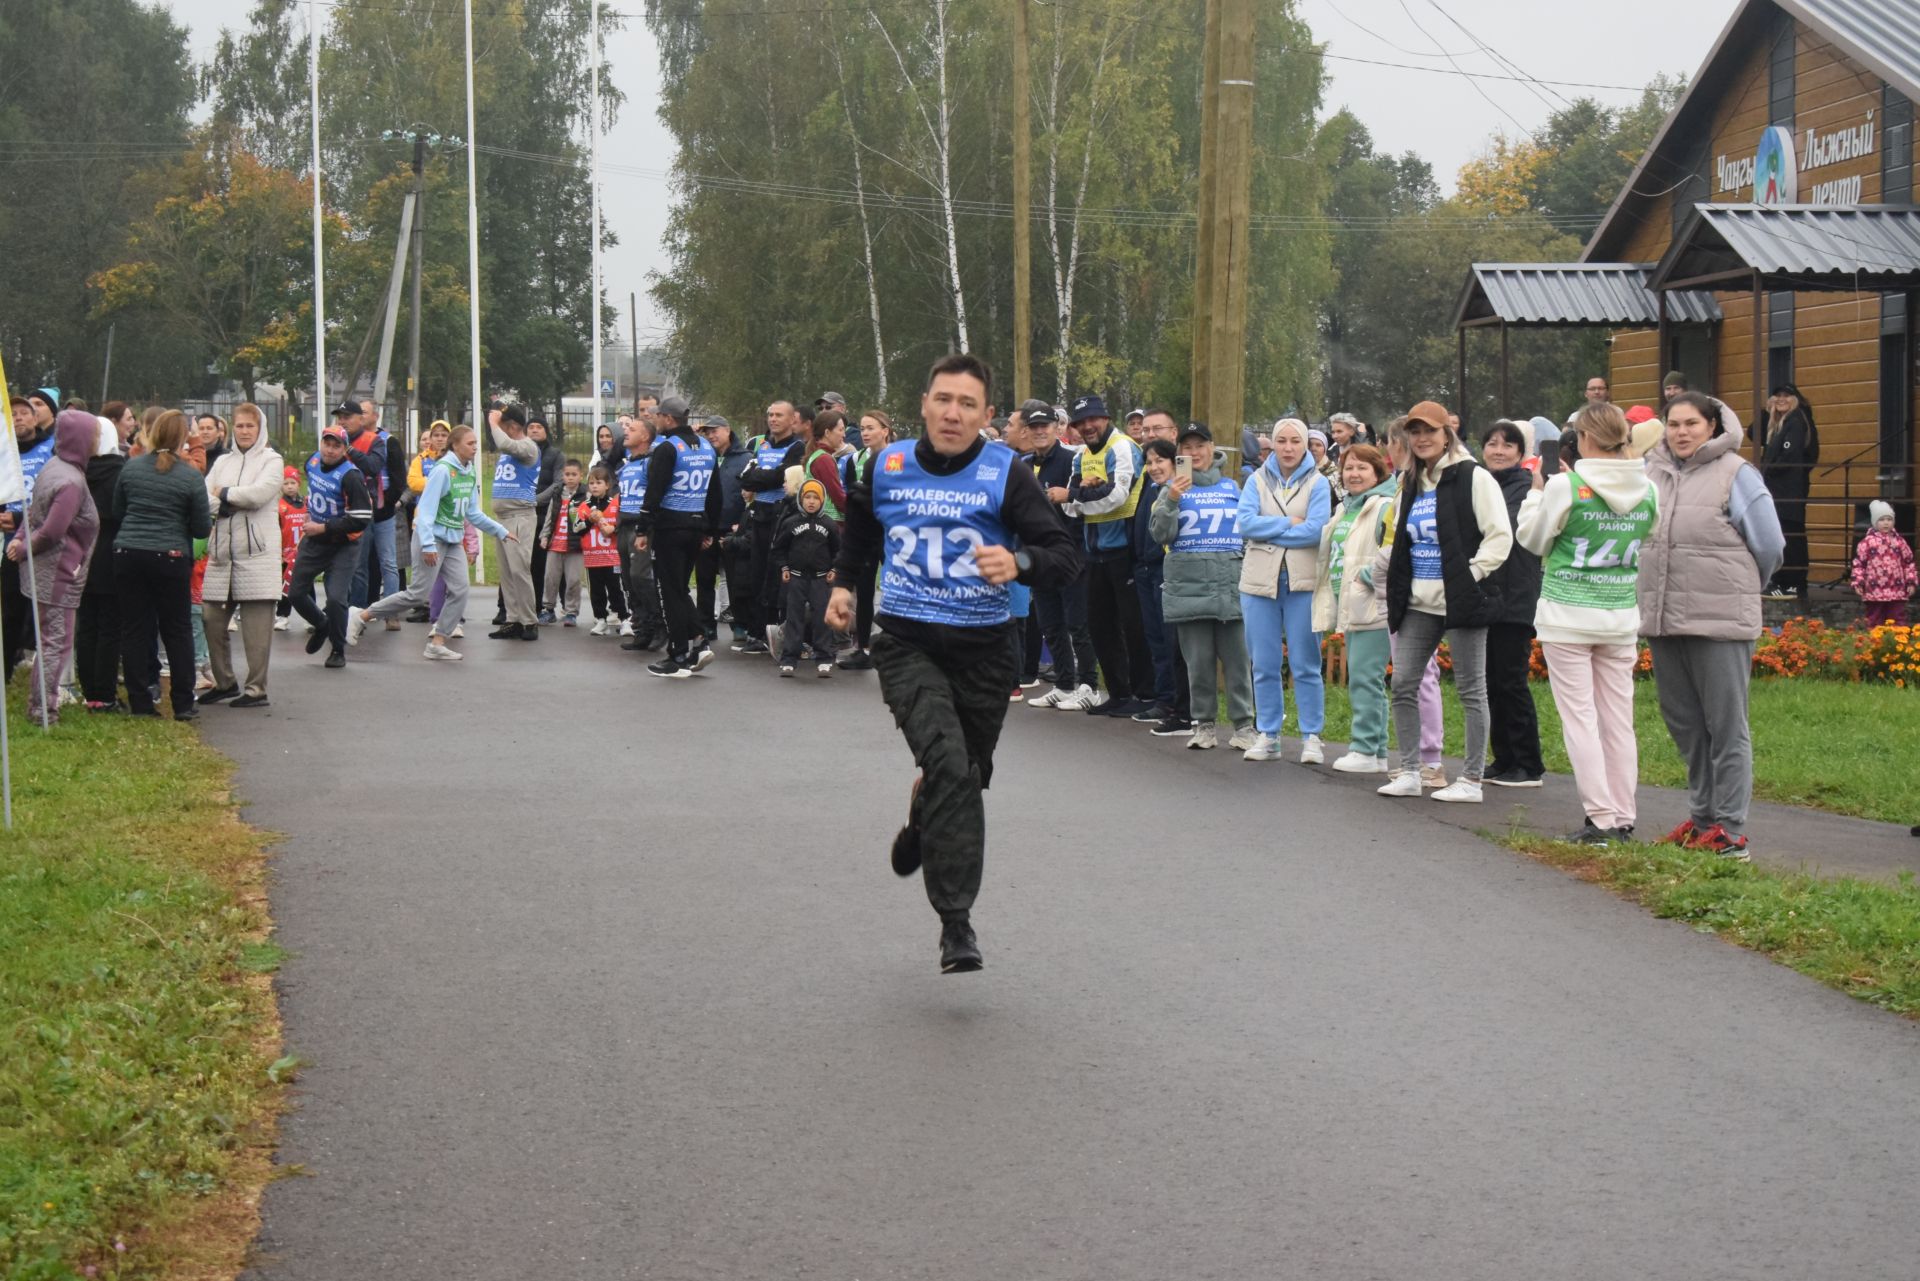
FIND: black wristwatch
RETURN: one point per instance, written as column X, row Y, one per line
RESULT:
column 1022, row 562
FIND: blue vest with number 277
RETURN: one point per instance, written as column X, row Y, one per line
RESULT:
column 1209, row 520
column 933, row 524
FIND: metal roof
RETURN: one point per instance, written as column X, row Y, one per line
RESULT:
column 1880, row 35
column 1572, row 293
column 1840, row 247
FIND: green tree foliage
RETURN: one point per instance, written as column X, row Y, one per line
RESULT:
column 811, row 146
column 94, row 91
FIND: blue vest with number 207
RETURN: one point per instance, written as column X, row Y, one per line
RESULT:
column 1209, row 520
column 933, row 524
column 692, row 473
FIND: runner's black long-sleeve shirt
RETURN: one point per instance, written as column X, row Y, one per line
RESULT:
column 1024, row 509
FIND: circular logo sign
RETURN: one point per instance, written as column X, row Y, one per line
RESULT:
column 1776, row 173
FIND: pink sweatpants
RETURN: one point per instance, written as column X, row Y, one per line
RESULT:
column 1593, row 688
column 1433, row 721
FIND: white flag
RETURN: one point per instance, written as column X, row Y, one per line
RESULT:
column 13, row 481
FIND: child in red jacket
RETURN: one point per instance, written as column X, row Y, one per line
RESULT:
column 599, row 512
column 1883, row 569
column 293, row 519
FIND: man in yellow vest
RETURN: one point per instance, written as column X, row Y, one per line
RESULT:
column 1104, row 493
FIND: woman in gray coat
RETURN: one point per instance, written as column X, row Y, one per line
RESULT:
column 1195, row 517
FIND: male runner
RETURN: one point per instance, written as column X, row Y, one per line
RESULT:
column 944, row 515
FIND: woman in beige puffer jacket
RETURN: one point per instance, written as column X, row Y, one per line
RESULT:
column 243, row 557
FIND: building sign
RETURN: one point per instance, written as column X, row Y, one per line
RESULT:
column 1775, row 168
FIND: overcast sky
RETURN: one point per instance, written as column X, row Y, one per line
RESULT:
column 1444, row 117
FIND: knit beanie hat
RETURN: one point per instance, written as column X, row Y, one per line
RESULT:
column 291, row 473
column 1878, row 511
column 815, row 488
column 1674, row 378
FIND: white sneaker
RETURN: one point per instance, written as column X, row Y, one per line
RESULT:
column 1052, row 698
column 283, row 622
column 1082, row 697
column 1243, row 738
column 356, row 625
column 1266, row 747
column 599, row 628
column 1311, row 751
column 1355, row 763
column 626, row 627
column 437, row 650
column 1097, row 698
column 1461, row 789
column 459, row 631
column 1407, row 784
column 1204, row 737
column 825, row 670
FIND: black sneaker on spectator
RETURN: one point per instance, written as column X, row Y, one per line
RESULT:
column 1172, row 727
column 1515, row 778
column 1150, row 713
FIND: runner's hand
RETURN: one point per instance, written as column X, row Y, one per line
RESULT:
column 511, row 537
column 840, row 609
column 429, row 558
column 995, row 564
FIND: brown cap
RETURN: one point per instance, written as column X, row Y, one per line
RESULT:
column 1430, row 412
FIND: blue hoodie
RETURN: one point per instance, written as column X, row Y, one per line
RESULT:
column 1279, row 530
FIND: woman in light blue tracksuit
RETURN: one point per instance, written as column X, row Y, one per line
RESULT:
column 1282, row 512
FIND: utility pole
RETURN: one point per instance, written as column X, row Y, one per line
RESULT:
column 409, row 399
column 1202, row 319
column 633, row 332
column 1232, row 217
column 1022, row 211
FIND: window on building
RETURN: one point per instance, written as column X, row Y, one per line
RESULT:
column 1897, row 369
column 1779, row 337
column 1780, row 74
column 1896, row 148
column 1690, row 350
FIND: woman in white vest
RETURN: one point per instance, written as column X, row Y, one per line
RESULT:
column 1716, row 542
column 1346, row 602
column 1283, row 509
column 1588, row 525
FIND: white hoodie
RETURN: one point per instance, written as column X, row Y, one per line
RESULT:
column 1622, row 483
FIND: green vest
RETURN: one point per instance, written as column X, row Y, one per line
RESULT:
column 457, row 501
column 1595, row 562
column 827, row 507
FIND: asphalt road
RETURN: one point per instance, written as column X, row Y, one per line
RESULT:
column 605, row 976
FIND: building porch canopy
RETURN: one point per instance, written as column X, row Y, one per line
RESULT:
column 1836, row 248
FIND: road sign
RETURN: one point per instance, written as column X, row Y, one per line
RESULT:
column 606, row 386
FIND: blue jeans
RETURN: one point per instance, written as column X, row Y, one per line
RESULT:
column 378, row 542
column 1162, row 644
column 1286, row 618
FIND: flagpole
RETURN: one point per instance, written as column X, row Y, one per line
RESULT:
column 593, row 112
column 319, row 263
column 473, row 269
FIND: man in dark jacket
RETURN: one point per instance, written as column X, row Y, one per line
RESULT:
column 339, row 510
column 945, row 656
column 679, row 514
column 1790, row 446
column 96, row 658
column 731, row 458
column 1062, row 608
column 764, row 480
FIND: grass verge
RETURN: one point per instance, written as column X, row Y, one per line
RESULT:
column 1829, row 745
column 138, row 1035
column 1862, row 937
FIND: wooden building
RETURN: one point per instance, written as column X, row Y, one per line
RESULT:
column 1769, row 235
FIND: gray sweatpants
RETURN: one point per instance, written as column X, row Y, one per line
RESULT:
column 1417, row 640
column 451, row 570
column 1703, row 698
column 1204, row 643
column 516, row 561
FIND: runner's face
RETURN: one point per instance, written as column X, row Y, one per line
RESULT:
column 467, row 446
column 332, row 450
column 954, row 409
column 636, row 434
column 872, row 434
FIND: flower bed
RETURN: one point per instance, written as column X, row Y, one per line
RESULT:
column 1804, row 647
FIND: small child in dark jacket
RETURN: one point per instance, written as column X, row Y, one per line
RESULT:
column 805, row 548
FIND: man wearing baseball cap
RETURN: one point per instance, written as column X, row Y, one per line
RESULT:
column 1137, row 426
column 679, row 513
column 1061, row 609
column 1105, row 493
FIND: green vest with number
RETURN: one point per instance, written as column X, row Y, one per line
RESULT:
column 1595, row 563
column 457, row 501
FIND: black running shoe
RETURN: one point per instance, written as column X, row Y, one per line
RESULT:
column 670, row 669
column 1172, row 727
column 857, row 661
column 906, row 842
column 337, row 659
column 754, row 646
column 959, row 950
column 218, row 695
column 317, row 641
column 1150, row 714
column 508, row 631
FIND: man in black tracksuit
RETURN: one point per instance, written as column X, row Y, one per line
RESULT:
column 764, row 480
column 961, row 518
column 679, row 515
column 1061, row 610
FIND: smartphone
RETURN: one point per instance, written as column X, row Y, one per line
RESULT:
column 1183, row 468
